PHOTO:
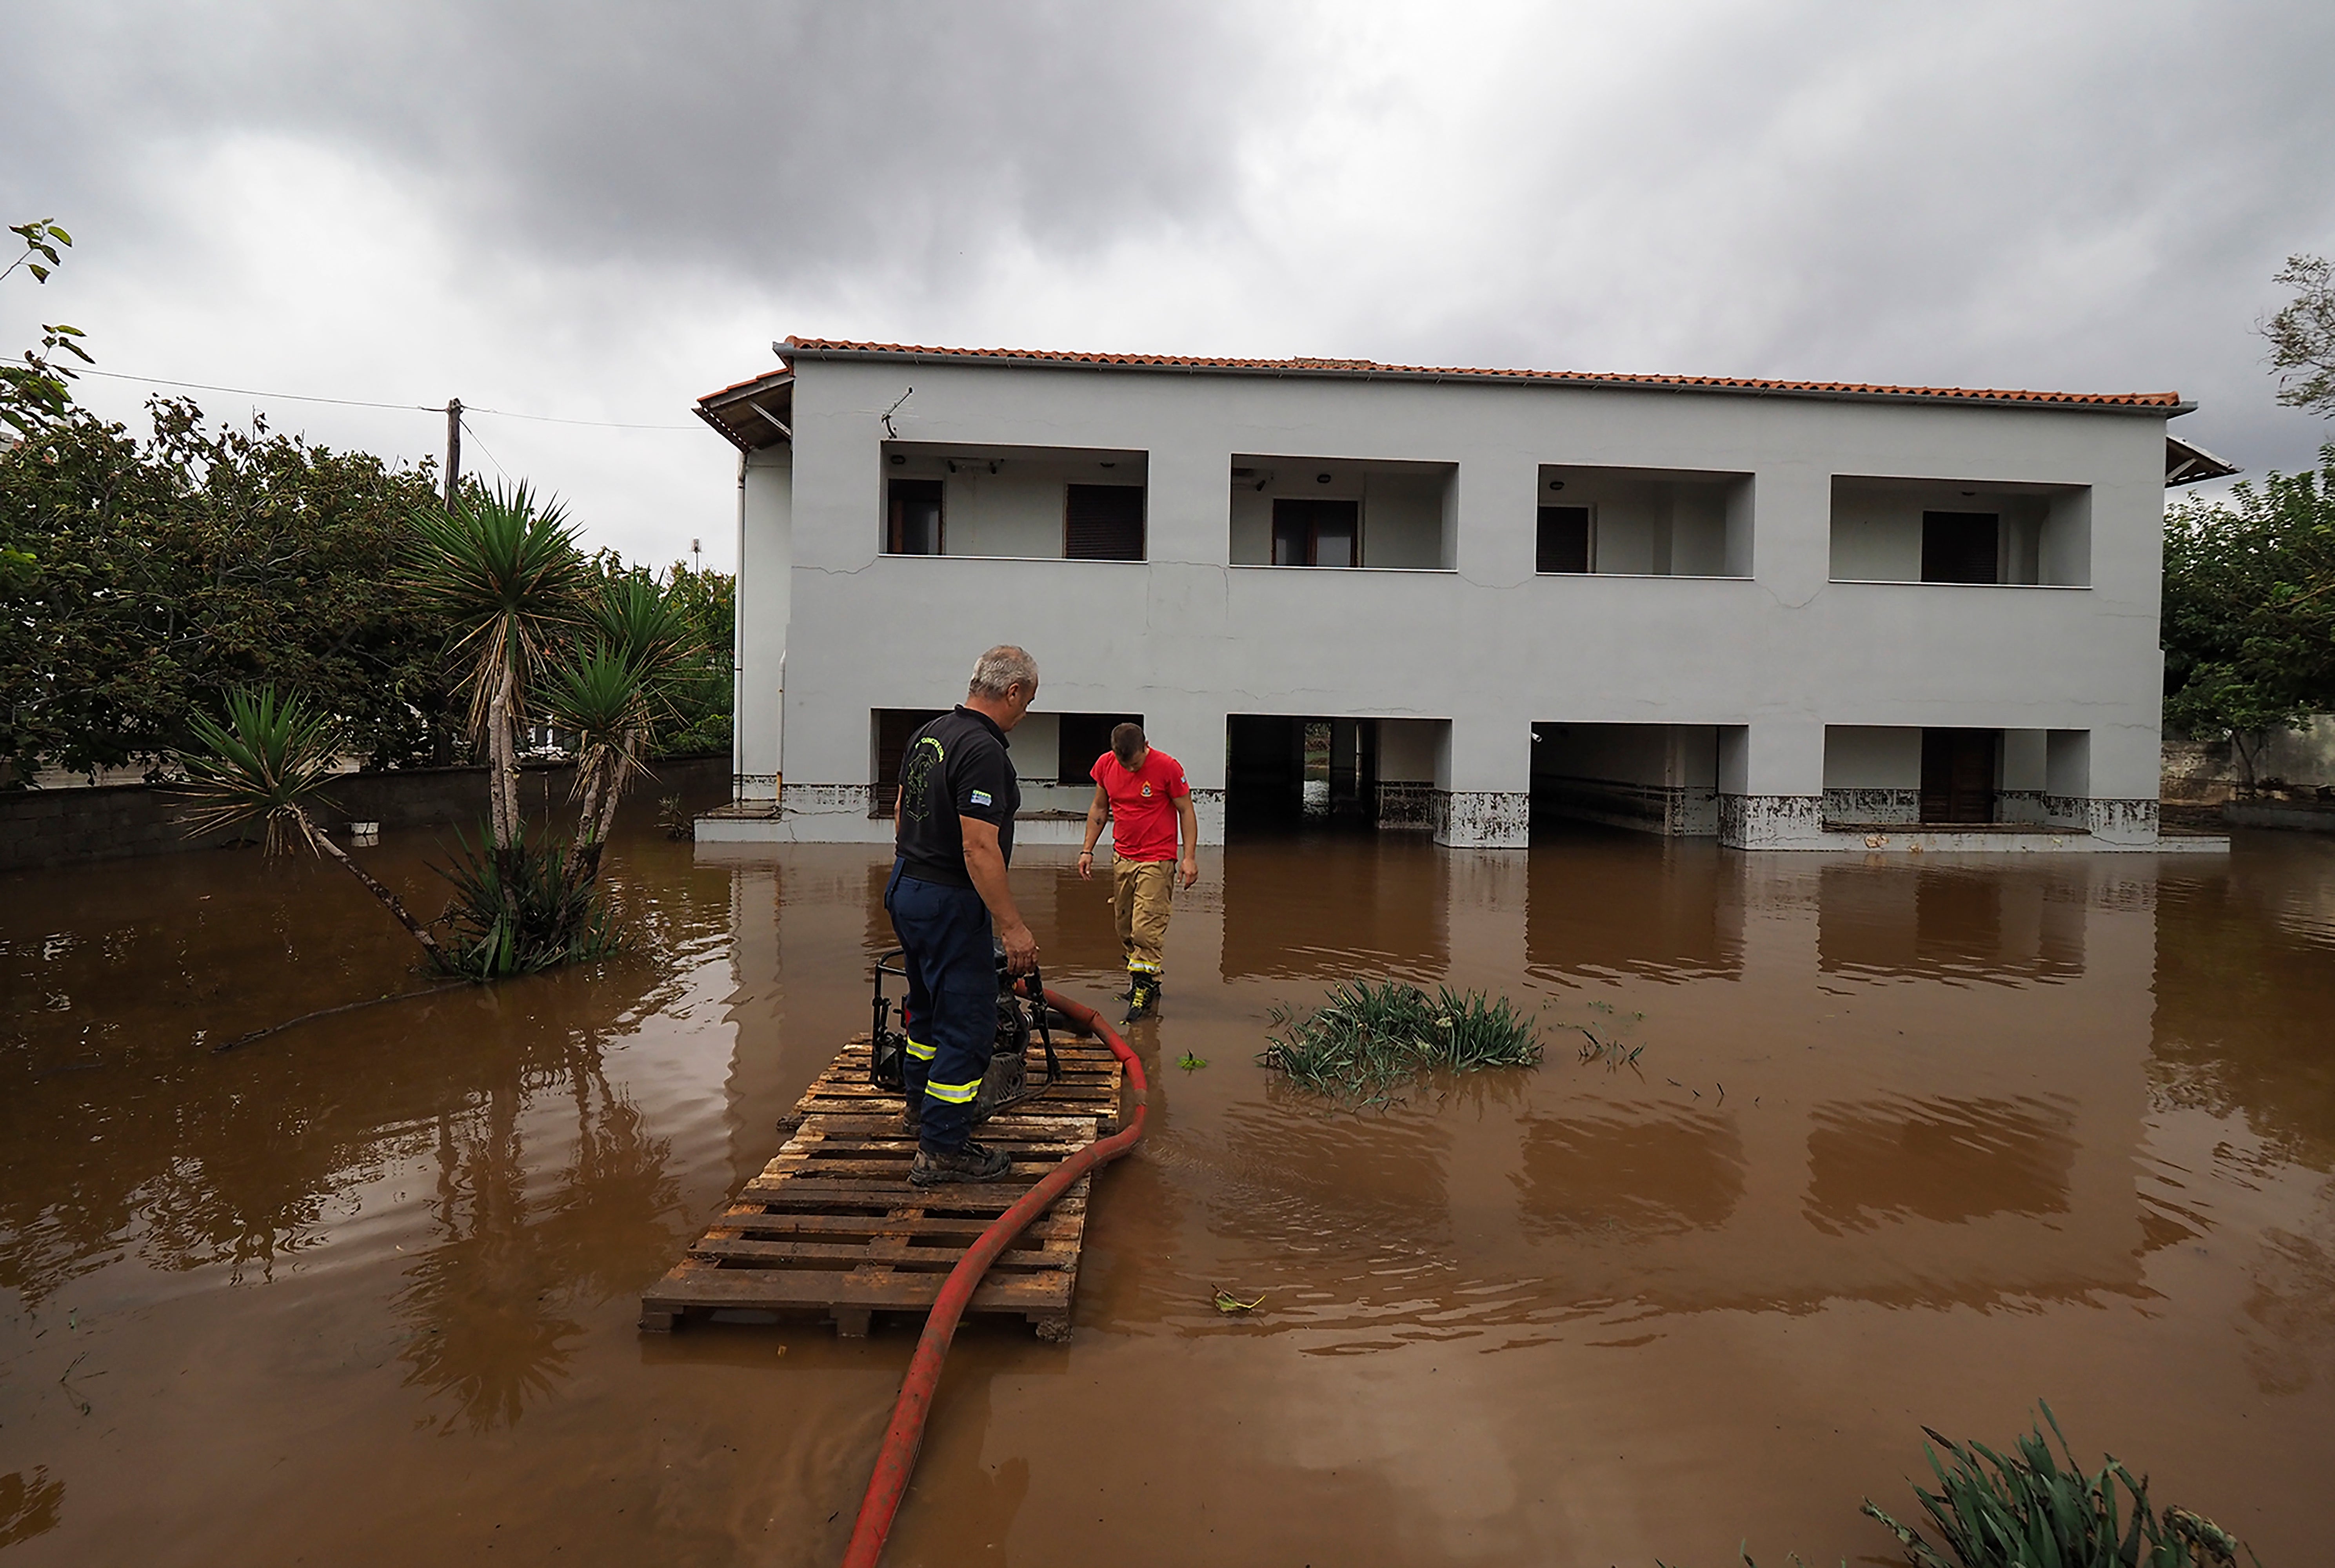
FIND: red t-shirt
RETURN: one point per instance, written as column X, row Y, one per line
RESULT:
column 1142, row 804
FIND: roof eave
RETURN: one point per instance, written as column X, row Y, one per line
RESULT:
column 794, row 351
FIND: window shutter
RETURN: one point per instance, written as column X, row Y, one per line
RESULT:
column 1104, row 523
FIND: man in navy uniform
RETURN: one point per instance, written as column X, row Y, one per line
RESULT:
column 953, row 834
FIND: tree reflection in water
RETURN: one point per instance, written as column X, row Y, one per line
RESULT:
column 490, row 1304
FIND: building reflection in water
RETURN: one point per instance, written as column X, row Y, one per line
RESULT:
column 1629, row 1177
column 2004, row 924
column 1613, row 906
column 1948, row 1160
column 1327, row 909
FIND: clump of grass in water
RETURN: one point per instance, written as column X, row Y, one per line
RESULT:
column 2029, row 1510
column 1368, row 1039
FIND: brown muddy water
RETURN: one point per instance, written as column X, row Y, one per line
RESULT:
column 1905, row 1145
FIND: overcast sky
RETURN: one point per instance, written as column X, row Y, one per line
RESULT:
column 598, row 212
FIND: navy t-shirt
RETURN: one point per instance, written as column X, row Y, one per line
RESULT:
column 956, row 766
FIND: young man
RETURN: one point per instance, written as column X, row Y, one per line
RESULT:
column 954, row 829
column 1143, row 791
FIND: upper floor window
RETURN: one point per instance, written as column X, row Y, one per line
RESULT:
column 1311, row 533
column 1962, row 548
column 916, row 514
column 1103, row 523
column 1561, row 540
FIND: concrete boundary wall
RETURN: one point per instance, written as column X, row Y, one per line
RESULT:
column 53, row 827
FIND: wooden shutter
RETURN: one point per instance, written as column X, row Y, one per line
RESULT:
column 1103, row 523
column 916, row 518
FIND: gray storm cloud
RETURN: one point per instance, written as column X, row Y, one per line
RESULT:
column 2082, row 196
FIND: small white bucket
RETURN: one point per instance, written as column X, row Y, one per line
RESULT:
column 363, row 833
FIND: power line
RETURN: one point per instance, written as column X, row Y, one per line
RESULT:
column 247, row 391
column 365, row 404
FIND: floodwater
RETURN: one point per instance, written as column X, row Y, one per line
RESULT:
column 1905, row 1145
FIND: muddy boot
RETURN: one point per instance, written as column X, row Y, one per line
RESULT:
column 972, row 1163
column 1134, row 984
column 1143, row 1002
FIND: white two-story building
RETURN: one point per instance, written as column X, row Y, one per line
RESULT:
column 1792, row 616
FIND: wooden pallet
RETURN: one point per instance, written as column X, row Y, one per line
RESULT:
column 832, row 1223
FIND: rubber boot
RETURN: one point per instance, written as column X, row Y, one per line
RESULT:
column 1143, row 1000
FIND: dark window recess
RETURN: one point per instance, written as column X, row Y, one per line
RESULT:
column 1562, row 541
column 892, row 728
column 1085, row 736
column 1311, row 533
column 1960, row 546
column 1958, row 775
column 915, row 524
column 1103, row 523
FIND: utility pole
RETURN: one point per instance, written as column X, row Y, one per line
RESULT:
column 453, row 449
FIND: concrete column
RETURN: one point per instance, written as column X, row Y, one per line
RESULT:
column 765, row 600
column 1772, row 784
column 1483, row 781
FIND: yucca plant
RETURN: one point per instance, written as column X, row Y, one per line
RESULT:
column 262, row 770
column 1369, row 1037
column 503, row 567
column 2030, row 1510
column 523, row 907
column 614, row 689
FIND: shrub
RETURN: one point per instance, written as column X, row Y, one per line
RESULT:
column 1371, row 1038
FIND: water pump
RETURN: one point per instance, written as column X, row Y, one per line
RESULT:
column 1022, row 1017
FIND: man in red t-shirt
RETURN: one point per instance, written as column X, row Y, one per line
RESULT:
column 1142, row 791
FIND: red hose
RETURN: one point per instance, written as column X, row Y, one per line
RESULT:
column 896, row 1461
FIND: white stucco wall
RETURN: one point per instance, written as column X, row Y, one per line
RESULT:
column 1485, row 646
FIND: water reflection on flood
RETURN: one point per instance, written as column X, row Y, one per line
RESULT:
column 1908, row 1143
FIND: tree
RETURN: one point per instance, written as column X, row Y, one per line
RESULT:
column 2302, row 335
column 159, row 575
column 615, row 689
column 2249, row 616
column 503, row 571
column 262, row 769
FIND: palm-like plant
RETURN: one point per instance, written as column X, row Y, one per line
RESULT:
column 503, row 567
column 262, row 769
column 613, row 691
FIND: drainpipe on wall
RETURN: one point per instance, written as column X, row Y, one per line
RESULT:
column 738, row 652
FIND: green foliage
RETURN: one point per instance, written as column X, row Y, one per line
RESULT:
column 502, row 571
column 2249, row 616
column 2302, row 335
column 261, row 768
column 40, row 391
column 2029, row 1510
column 526, row 906
column 163, row 573
column 1368, row 1039
column 692, row 680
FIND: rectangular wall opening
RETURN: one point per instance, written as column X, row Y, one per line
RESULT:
column 1027, row 503
column 1285, row 771
column 1332, row 512
column 1641, row 522
column 1887, row 775
column 1891, row 530
column 1646, row 778
column 1051, row 752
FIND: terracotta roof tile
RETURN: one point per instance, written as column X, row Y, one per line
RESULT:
column 827, row 348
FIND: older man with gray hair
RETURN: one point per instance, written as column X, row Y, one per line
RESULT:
column 954, row 837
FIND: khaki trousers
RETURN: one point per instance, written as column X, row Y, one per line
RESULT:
column 1140, row 891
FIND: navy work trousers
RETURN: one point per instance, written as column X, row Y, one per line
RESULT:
column 951, row 1017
